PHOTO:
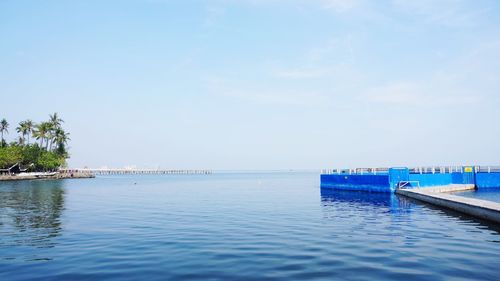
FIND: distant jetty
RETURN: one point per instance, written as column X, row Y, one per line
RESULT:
column 125, row 171
column 91, row 173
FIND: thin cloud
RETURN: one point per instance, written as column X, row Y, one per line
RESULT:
column 241, row 90
column 301, row 73
column 213, row 14
column 413, row 94
column 452, row 13
column 341, row 6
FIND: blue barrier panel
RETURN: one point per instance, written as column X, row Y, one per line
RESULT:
column 469, row 175
column 390, row 181
column 457, row 178
column 397, row 175
column 487, row 180
column 432, row 179
column 374, row 183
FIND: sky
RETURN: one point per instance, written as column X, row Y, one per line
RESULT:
column 257, row 84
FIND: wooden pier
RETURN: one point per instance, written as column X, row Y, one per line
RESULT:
column 137, row 171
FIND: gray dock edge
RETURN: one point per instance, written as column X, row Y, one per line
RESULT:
column 482, row 209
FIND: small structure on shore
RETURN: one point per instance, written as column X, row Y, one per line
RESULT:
column 15, row 169
column 45, row 175
column 17, row 172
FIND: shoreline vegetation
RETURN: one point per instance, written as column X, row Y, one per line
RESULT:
column 40, row 149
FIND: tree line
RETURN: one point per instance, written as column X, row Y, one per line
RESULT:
column 39, row 146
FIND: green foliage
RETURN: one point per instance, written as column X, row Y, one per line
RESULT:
column 49, row 154
column 49, row 160
column 41, row 159
column 10, row 155
column 31, row 154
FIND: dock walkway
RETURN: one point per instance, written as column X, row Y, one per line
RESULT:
column 483, row 209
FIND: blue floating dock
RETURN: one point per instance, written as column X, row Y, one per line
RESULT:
column 388, row 180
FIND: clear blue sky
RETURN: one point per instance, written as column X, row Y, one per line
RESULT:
column 257, row 84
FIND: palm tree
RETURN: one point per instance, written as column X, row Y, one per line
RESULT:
column 55, row 123
column 61, row 139
column 29, row 125
column 55, row 120
column 38, row 134
column 41, row 133
column 21, row 129
column 4, row 125
column 50, row 137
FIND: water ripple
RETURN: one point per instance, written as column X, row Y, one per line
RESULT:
column 274, row 226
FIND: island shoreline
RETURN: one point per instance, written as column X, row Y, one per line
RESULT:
column 58, row 176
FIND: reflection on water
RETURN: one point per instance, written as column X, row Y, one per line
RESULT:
column 373, row 202
column 30, row 213
column 388, row 202
column 231, row 227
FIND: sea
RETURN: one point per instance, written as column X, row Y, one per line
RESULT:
column 276, row 225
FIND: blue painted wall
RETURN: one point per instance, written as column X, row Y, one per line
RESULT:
column 469, row 175
column 397, row 175
column 374, row 183
column 457, row 178
column 442, row 179
column 388, row 182
column 432, row 179
column 488, row 180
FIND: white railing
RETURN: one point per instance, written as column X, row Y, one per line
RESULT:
column 436, row 170
column 488, row 169
column 403, row 184
column 414, row 170
column 355, row 171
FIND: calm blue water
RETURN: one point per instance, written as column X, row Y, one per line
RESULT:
column 488, row 194
column 268, row 226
